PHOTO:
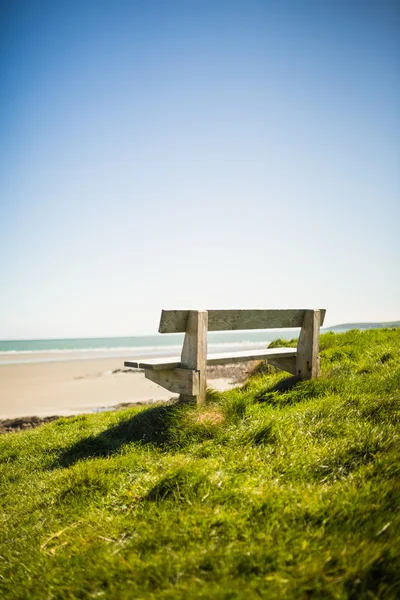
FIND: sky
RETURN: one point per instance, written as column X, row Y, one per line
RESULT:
column 196, row 154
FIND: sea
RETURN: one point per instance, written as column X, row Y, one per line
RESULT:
column 135, row 347
column 149, row 346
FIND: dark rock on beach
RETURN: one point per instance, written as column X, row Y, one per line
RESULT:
column 23, row 423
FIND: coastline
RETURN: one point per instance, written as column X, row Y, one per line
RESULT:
column 72, row 387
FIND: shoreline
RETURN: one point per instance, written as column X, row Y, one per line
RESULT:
column 40, row 391
column 60, row 356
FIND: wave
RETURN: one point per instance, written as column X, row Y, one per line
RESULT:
column 123, row 352
column 78, row 350
column 136, row 349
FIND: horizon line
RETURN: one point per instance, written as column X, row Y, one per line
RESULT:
column 99, row 337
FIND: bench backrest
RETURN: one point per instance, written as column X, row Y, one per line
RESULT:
column 175, row 321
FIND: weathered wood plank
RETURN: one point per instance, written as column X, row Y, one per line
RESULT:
column 229, row 320
column 157, row 364
column 175, row 321
column 307, row 363
column 227, row 358
column 178, row 381
column 194, row 352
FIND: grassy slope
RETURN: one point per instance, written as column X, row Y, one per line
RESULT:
column 261, row 494
column 346, row 326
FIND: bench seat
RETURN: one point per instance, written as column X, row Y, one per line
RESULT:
column 158, row 364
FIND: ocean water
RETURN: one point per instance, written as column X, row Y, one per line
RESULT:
column 31, row 351
column 148, row 346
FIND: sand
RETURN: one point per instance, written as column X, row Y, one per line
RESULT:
column 80, row 386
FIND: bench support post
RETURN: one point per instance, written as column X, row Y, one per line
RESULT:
column 178, row 381
column 194, row 352
column 307, row 361
column 284, row 364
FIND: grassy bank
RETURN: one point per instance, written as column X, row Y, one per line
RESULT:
column 264, row 493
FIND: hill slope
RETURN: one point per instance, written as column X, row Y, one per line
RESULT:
column 261, row 494
column 347, row 326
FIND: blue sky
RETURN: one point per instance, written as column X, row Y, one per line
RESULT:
column 196, row 154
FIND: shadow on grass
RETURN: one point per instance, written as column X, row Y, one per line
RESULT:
column 151, row 426
column 284, row 385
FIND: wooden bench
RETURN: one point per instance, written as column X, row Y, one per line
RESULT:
column 186, row 374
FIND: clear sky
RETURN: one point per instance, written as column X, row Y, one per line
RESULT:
column 196, row 154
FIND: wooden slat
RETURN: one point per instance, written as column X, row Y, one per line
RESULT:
column 155, row 363
column 174, row 362
column 227, row 358
column 230, row 320
column 175, row 321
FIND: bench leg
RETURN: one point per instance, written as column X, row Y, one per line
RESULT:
column 194, row 352
column 307, row 361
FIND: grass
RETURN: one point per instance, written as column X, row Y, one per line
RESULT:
column 263, row 493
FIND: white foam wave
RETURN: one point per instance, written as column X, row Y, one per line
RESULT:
column 130, row 349
column 124, row 352
column 86, row 350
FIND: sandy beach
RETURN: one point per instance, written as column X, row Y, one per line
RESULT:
column 81, row 386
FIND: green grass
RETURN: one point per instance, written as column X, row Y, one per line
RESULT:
column 260, row 494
